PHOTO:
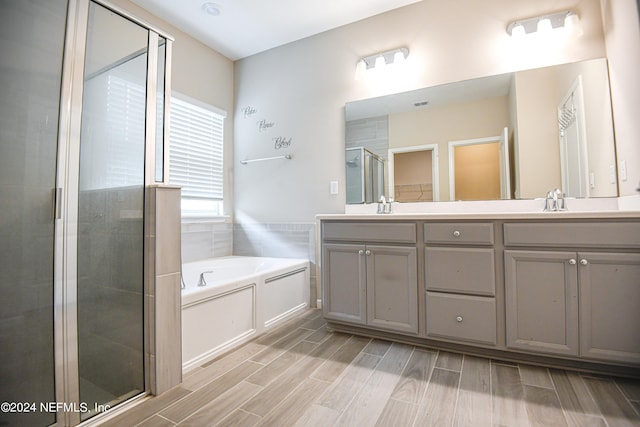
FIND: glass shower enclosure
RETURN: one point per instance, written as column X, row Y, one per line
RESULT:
column 82, row 104
column 364, row 176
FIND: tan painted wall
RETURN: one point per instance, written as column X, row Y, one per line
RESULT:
column 538, row 161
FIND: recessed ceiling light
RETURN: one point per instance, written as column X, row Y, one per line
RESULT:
column 212, row 9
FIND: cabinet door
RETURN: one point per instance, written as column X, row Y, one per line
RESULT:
column 344, row 275
column 609, row 306
column 541, row 290
column 392, row 288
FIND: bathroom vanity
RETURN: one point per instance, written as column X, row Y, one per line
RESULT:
column 558, row 288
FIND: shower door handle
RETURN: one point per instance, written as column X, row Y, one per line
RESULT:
column 57, row 203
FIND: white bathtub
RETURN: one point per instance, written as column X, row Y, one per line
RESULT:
column 243, row 297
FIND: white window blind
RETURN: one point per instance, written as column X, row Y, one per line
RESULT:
column 124, row 120
column 195, row 150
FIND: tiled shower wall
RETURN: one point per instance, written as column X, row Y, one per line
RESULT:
column 217, row 239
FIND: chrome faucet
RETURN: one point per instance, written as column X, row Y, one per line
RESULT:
column 384, row 207
column 201, row 281
column 554, row 201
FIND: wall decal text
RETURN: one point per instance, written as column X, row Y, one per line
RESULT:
column 264, row 125
column 281, row 142
column 249, row 111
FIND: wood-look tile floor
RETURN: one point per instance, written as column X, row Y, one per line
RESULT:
column 300, row 374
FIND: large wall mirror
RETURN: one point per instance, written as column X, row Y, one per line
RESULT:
column 510, row 136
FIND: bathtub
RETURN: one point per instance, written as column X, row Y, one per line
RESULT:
column 243, row 297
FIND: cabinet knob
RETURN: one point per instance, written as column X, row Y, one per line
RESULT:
column 459, row 319
column 457, row 233
column 367, row 252
column 584, row 262
column 360, row 252
column 572, row 261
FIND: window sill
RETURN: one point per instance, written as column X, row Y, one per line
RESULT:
column 194, row 219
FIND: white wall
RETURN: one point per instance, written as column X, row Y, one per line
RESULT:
column 622, row 34
column 302, row 87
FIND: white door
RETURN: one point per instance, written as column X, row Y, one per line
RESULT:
column 505, row 178
column 573, row 143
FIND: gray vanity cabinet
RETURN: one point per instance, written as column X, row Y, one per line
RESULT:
column 584, row 302
column 367, row 283
column 552, row 288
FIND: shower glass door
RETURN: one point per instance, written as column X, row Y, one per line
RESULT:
column 110, row 285
column 31, row 41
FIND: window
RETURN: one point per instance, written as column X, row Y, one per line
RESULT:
column 195, row 156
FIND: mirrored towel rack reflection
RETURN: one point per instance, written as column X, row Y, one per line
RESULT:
column 286, row 156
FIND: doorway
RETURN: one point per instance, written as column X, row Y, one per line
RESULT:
column 413, row 174
column 479, row 168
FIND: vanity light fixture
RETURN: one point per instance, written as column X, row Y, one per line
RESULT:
column 544, row 24
column 380, row 60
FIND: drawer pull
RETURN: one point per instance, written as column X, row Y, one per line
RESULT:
column 572, row 261
column 457, row 233
column 459, row 319
column 584, row 262
column 360, row 252
column 367, row 253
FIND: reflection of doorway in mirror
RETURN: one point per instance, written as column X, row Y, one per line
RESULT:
column 573, row 144
column 413, row 174
column 479, row 169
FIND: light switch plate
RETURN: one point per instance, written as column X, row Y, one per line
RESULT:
column 623, row 170
column 333, row 187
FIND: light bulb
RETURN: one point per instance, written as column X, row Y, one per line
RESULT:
column 361, row 68
column 380, row 62
column 398, row 58
column 544, row 26
column 517, row 32
column 572, row 26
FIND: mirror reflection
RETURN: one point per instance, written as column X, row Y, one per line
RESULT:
column 510, row 136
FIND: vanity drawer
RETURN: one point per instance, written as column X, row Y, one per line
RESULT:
column 459, row 233
column 460, row 270
column 461, row 317
column 370, row 232
column 579, row 234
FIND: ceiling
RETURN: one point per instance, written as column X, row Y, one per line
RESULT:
column 434, row 96
column 247, row 27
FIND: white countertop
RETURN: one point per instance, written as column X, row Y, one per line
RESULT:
column 499, row 209
column 482, row 215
